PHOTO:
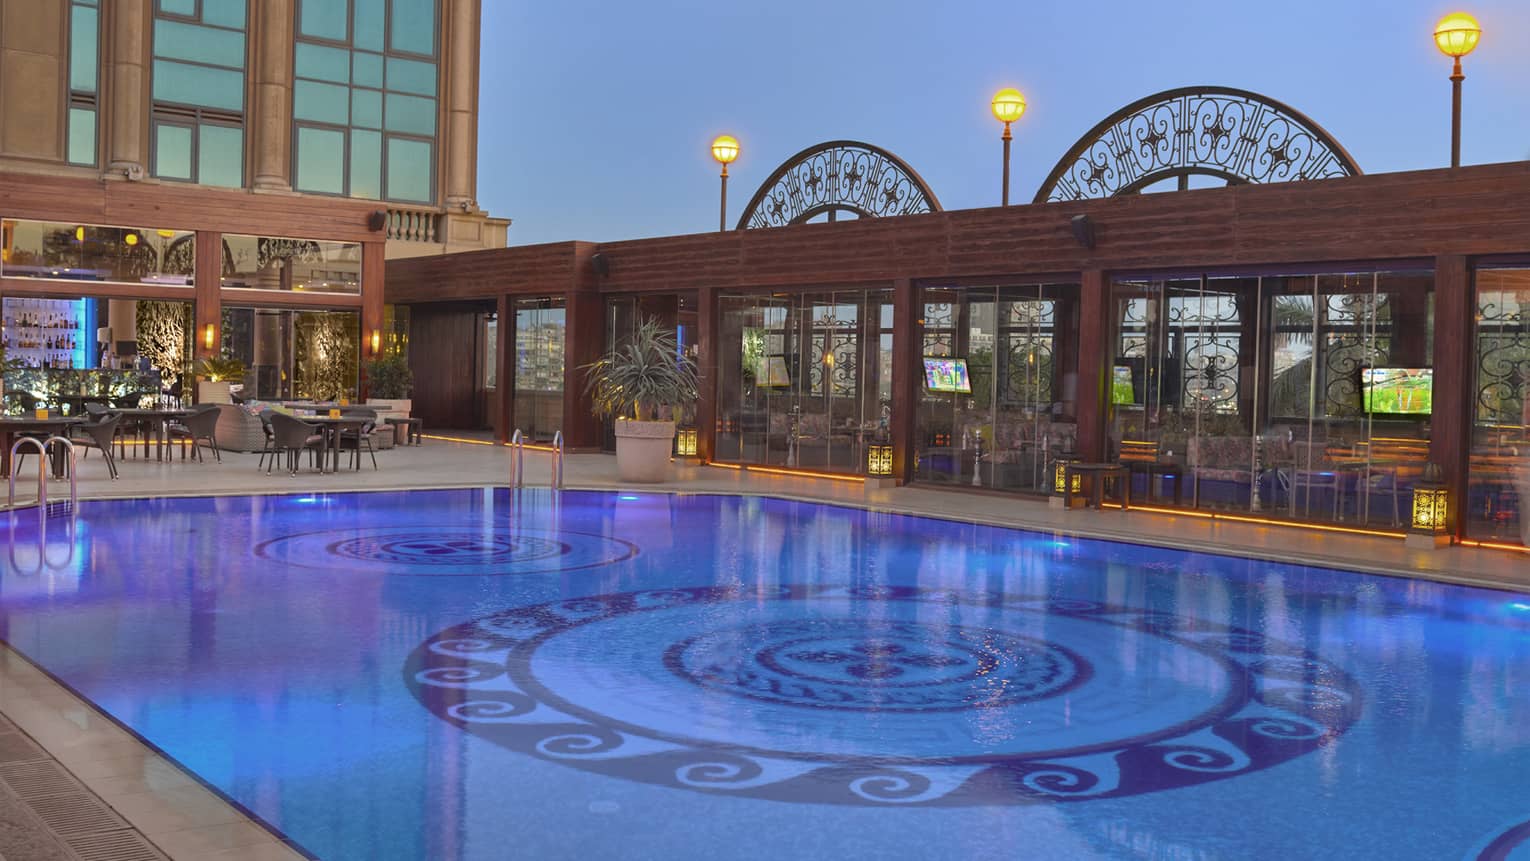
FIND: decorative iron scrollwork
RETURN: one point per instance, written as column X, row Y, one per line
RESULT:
column 838, row 176
column 1503, row 356
column 1235, row 135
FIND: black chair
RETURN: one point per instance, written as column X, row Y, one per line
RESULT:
column 100, row 434
column 353, row 440
column 201, row 424
column 292, row 437
column 268, row 448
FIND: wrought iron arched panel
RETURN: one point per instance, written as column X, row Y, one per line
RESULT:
column 838, row 176
column 1236, row 135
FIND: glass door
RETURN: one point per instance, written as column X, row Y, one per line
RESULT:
column 540, row 329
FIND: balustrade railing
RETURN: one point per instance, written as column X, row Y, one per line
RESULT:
column 414, row 225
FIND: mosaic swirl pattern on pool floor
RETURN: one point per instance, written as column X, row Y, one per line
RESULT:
column 447, row 550
column 882, row 695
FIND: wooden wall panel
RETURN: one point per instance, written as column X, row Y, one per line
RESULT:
column 184, row 207
column 446, row 391
column 1483, row 209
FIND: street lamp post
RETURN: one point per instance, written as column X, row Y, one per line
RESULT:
column 1008, row 105
column 1456, row 36
column 725, row 150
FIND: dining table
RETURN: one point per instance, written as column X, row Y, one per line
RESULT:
column 12, row 427
column 156, row 421
column 331, row 427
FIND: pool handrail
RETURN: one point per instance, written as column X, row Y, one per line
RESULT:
column 517, row 458
column 42, row 447
column 557, row 461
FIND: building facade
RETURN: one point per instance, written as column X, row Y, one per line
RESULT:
column 1296, row 352
column 182, row 178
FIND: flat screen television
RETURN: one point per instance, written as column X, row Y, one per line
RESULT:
column 1397, row 391
column 1122, row 389
column 772, row 373
column 945, row 374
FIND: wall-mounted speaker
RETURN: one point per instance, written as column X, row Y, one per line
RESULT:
column 1083, row 231
column 377, row 219
column 601, row 264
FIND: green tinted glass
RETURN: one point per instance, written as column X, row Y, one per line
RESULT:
column 323, row 63
column 224, row 13
column 367, row 69
column 366, row 164
column 220, row 156
column 369, row 20
column 172, row 151
column 412, row 76
column 366, row 109
column 320, row 160
column 179, row 7
column 412, row 26
column 198, row 85
column 82, row 136
column 410, row 114
column 327, row 103
column 181, row 41
column 84, row 30
column 409, row 170
column 323, row 19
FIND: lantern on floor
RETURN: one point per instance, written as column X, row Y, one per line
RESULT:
column 1060, row 479
column 1431, row 509
column 879, row 459
column 685, row 442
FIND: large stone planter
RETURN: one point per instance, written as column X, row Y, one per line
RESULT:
column 642, row 450
column 209, row 392
column 391, row 407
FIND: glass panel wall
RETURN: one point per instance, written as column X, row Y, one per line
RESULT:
column 198, row 88
column 294, row 355
column 1306, row 397
column 74, row 252
column 804, row 379
column 364, row 98
column 1498, row 487
column 540, row 327
column 72, row 350
column 271, row 263
column 1003, row 420
column 84, row 74
column 675, row 311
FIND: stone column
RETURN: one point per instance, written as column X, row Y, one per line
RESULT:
column 126, row 90
column 270, row 117
column 460, row 141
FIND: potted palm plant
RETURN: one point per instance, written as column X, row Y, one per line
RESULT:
column 389, row 382
column 219, row 372
column 636, row 383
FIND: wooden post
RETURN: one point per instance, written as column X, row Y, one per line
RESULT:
column 706, row 367
column 208, row 269
column 583, row 337
column 503, row 418
column 1095, row 314
column 908, row 336
column 1451, row 424
column 372, row 270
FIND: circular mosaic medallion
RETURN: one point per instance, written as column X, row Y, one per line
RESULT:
column 854, row 664
column 881, row 695
column 449, row 550
column 1511, row 843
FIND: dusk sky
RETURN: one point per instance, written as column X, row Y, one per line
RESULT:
column 595, row 115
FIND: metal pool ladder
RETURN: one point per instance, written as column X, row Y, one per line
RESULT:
column 518, row 459
column 42, row 447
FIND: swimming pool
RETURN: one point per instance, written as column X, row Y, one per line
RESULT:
column 480, row 675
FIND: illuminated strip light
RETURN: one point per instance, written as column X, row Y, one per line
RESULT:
column 1494, row 545
column 1262, row 521
column 463, row 439
column 798, row 473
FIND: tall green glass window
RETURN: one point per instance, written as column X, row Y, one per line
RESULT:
column 198, row 75
column 365, row 98
column 84, row 72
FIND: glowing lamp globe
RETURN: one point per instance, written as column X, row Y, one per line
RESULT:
column 725, row 148
column 1456, row 35
column 1008, row 105
column 131, row 239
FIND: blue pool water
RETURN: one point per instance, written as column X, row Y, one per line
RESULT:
column 474, row 675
